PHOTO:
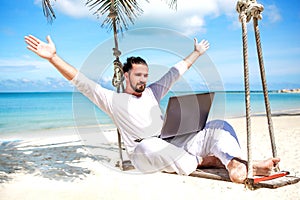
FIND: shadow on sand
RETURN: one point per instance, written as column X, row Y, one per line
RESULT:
column 58, row 161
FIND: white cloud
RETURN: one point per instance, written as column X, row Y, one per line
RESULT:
column 25, row 80
column 25, row 63
column 26, row 68
column 189, row 18
column 48, row 84
column 73, row 8
column 273, row 14
column 37, row 2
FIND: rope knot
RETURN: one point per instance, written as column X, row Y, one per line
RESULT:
column 112, row 13
column 118, row 74
column 249, row 8
column 241, row 6
column 255, row 10
column 116, row 52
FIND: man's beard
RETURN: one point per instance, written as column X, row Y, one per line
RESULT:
column 139, row 88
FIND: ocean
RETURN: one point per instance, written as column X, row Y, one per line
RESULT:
column 25, row 112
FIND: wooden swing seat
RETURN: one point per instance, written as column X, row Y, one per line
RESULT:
column 222, row 175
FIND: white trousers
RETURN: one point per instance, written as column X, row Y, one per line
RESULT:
column 181, row 153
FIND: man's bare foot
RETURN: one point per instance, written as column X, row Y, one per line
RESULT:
column 265, row 167
column 211, row 161
column 237, row 168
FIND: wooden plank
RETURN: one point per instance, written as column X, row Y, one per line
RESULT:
column 222, row 175
column 126, row 165
column 211, row 173
column 274, row 183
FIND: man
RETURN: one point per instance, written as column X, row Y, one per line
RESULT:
column 137, row 115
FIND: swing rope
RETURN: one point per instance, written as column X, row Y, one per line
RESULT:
column 265, row 89
column 241, row 8
column 248, row 9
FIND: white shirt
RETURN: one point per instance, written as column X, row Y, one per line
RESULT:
column 135, row 117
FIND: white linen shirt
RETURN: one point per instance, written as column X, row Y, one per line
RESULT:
column 135, row 117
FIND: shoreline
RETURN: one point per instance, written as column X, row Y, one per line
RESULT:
column 219, row 91
column 55, row 164
column 288, row 112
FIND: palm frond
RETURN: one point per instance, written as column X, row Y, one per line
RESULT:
column 48, row 10
column 172, row 4
column 127, row 11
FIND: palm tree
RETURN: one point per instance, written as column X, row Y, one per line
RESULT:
column 123, row 11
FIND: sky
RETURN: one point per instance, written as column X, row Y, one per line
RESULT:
column 162, row 35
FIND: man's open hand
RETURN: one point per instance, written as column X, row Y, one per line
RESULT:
column 201, row 47
column 41, row 48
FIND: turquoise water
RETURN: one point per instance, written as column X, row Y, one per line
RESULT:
column 24, row 112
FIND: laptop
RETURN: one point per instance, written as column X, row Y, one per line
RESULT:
column 186, row 114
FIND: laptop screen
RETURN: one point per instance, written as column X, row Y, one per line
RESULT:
column 186, row 114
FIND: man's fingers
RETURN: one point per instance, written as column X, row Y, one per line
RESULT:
column 32, row 41
column 195, row 41
column 205, row 43
column 32, row 49
column 49, row 39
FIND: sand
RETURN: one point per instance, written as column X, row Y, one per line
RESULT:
column 54, row 164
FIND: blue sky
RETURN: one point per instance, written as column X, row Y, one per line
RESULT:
column 77, row 34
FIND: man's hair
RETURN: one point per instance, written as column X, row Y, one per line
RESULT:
column 133, row 60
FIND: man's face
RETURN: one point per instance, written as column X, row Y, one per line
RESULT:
column 137, row 77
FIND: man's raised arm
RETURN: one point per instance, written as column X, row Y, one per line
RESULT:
column 48, row 51
column 199, row 49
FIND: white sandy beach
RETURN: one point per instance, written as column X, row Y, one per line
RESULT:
column 54, row 165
